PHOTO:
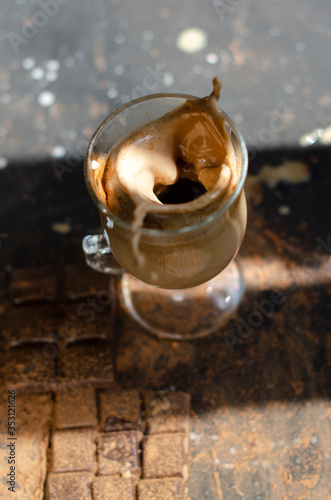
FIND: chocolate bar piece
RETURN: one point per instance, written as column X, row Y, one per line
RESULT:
column 118, row 454
column 88, row 363
column 161, row 489
column 81, row 281
column 166, row 411
column 73, row 485
column 37, row 283
column 31, row 323
column 165, row 455
column 72, row 450
column 76, row 407
column 120, row 410
column 112, row 488
column 31, row 368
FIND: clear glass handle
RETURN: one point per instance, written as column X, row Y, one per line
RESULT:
column 99, row 256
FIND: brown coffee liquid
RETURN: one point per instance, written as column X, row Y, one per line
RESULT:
column 183, row 191
column 171, row 172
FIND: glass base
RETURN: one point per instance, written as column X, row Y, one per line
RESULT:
column 183, row 314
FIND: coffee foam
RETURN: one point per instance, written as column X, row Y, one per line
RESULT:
column 190, row 141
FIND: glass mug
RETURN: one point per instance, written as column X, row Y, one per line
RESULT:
column 178, row 292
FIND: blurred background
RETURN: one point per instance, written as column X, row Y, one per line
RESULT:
column 66, row 64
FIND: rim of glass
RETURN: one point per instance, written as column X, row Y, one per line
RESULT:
column 185, row 229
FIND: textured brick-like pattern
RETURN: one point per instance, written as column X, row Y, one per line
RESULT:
column 118, row 453
column 166, row 411
column 31, row 368
column 87, row 363
column 81, row 281
column 120, row 410
column 38, row 283
column 69, row 486
column 112, row 488
column 73, row 450
column 33, row 419
column 85, row 319
column 161, row 489
column 76, row 407
column 165, row 455
column 33, row 323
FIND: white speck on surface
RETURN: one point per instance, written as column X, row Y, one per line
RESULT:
column 4, row 86
column 212, row 58
column 119, row 69
column 37, row 73
column 311, row 137
column 192, row 40
column 51, row 76
column 3, row 162
column 197, row 69
column 5, row 98
column 58, row 151
column 233, row 450
column 291, row 172
column 61, row 227
column 314, row 440
column 119, row 39
column 214, row 437
column 95, row 164
column 52, row 65
column 228, row 466
column 112, row 93
column 148, row 35
column 46, row 98
column 300, row 46
column 69, row 61
column 79, row 55
column 284, row 210
column 196, row 438
column 28, row 63
column 154, row 276
column 325, row 137
column 168, row 79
